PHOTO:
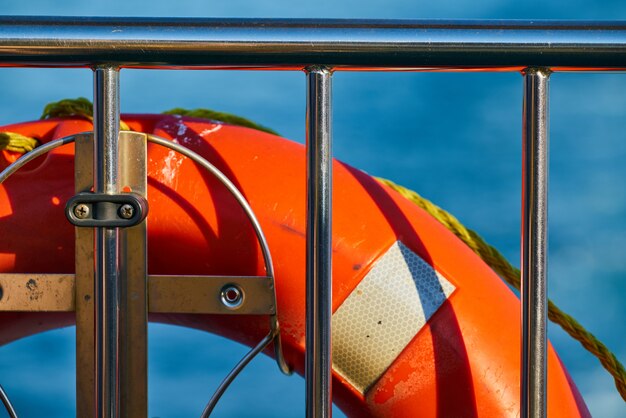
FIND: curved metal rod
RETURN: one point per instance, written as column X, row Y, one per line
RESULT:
column 269, row 267
column 198, row 159
column 7, row 403
column 31, row 155
column 39, row 151
column 235, row 371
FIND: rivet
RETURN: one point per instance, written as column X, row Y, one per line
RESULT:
column 232, row 296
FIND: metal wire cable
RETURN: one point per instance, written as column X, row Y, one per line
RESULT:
column 234, row 372
column 7, row 403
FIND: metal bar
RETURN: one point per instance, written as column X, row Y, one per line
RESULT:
column 204, row 294
column 106, row 116
column 21, row 292
column 318, row 243
column 84, row 296
column 534, row 243
column 37, row 292
column 133, row 308
column 295, row 44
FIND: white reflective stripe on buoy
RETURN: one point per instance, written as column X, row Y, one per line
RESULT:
column 383, row 314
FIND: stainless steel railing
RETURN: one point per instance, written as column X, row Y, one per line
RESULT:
column 320, row 47
column 534, row 243
column 318, row 242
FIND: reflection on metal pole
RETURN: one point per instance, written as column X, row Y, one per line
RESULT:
column 106, row 118
column 534, row 243
column 318, row 250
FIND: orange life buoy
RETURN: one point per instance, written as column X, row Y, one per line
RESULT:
column 421, row 326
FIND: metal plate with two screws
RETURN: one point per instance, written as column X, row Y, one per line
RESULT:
column 106, row 210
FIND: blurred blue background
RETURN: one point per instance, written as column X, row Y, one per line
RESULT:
column 455, row 138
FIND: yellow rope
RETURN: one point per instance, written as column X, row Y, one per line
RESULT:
column 228, row 118
column 82, row 107
column 511, row 275
column 73, row 107
column 15, row 142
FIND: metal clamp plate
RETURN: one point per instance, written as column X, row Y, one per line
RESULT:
column 106, row 210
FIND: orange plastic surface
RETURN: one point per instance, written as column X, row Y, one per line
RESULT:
column 464, row 363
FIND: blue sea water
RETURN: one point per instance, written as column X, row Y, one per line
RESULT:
column 455, row 138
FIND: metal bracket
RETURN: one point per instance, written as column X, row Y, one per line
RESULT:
column 227, row 295
column 106, row 210
column 163, row 294
column 130, row 294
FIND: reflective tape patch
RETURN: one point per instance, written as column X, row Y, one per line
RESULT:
column 383, row 314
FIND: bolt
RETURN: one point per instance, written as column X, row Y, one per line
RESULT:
column 232, row 296
column 127, row 211
column 81, row 211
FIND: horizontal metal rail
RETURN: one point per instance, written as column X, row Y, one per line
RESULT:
column 321, row 47
column 296, row 44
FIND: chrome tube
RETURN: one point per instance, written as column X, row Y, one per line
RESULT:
column 534, row 243
column 318, row 243
column 296, row 44
column 106, row 118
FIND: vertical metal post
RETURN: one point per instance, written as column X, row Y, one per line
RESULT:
column 106, row 119
column 534, row 243
column 318, row 243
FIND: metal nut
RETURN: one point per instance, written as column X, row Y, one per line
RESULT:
column 126, row 211
column 232, row 296
column 81, row 211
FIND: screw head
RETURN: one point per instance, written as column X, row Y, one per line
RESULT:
column 232, row 296
column 81, row 211
column 126, row 211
